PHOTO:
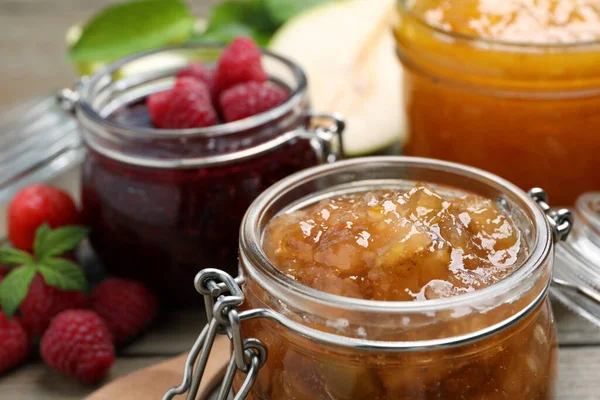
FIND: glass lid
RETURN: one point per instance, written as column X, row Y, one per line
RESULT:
column 576, row 281
column 39, row 142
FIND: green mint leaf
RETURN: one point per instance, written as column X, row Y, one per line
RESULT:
column 232, row 18
column 58, row 241
column 41, row 234
column 63, row 274
column 282, row 10
column 10, row 256
column 14, row 288
column 227, row 32
column 127, row 28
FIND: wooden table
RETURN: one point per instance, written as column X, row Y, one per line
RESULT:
column 32, row 60
column 578, row 379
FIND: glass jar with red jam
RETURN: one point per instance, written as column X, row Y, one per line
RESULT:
column 164, row 203
column 390, row 278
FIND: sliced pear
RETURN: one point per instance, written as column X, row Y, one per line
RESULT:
column 347, row 51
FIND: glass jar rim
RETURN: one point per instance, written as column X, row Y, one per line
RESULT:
column 402, row 5
column 92, row 116
column 253, row 256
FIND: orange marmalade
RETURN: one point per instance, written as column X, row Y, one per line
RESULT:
column 510, row 86
column 395, row 246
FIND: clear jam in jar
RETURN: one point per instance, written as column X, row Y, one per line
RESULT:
column 511, row 87
column 396, row 246
column 423, row 245
column 165, row 203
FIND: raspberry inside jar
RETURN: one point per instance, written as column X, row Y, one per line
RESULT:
column 395, row 245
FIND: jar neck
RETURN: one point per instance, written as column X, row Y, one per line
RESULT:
column 425, row 323
column 181, row 151
column 112, row 91
column 515, row 68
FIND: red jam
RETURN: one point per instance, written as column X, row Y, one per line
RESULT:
column 163, row 225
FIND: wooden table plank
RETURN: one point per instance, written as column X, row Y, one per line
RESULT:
column 174, row 334
column 574, row 330
column 178, row 330
column 36, row 381
column 578, row 378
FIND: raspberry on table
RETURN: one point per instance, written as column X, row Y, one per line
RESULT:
column 35, row 205
column 14, row 343
column 198, row 71
column 78, row 344
column 44, row 302
column 240, row 62
column 127, row 307
column 251, row 98
column 187, row 105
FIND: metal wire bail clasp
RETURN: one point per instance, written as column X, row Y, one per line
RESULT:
column 248, row 356
column 560, row 220
column 326, row 131
column 67, row 98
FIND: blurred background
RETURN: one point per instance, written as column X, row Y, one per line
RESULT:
column 33, row 56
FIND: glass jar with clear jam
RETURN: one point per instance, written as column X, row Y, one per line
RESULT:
column 512, row 87
column 389, row 278
column 163, row 204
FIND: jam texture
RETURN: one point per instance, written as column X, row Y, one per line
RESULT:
column 517, row 21
column 402, row 245
column 395, row 246
column 509, row 86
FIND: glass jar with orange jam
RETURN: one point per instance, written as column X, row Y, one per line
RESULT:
column 510, row 86
column 389, row 278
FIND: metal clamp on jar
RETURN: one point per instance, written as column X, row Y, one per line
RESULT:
column 499, row 339
column 162, row 202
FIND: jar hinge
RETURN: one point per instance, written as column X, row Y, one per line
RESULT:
column 67, row 98
column 560, row 220
column 325, row 133
column 248, row 355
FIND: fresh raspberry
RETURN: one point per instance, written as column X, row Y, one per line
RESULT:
column 187, row 105
column 198, row 71
column 126, row 306
column 158, row 106
column 44, row 302
column 35, row 205
column 78, row 344
column 14, row 343
column 247, row 99
column 240, row 62
column 3, row 272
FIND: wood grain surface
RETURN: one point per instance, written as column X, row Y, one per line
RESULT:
column 32, row 55
column 579, row 377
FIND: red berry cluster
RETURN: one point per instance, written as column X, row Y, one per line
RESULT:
column 78, row 332
column 202, row 96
